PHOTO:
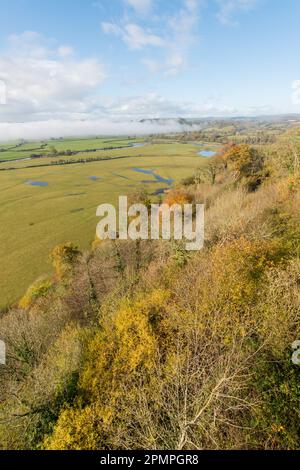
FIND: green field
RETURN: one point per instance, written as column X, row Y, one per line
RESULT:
column 36, row 218
column 18, row 150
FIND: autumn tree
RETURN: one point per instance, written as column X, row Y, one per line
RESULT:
column 64, row 258
column 178, row 196
column 246, row 163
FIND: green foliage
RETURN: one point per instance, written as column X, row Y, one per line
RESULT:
column 278, row 386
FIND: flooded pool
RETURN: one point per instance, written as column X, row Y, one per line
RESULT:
column 158, row 178
column 145, row 172
column 207, row 153
column 37, row 183
column 138, row 144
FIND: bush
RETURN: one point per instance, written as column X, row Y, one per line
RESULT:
column 38, row 289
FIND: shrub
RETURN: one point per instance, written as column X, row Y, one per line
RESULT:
column 38, row 289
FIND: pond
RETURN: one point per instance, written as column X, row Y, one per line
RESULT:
column 207, row 153
column 138, row 144
column 158, row 178
column 94, row 178
column 37, row 183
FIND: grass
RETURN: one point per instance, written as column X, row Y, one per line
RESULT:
column 35, row 219
column 17, row 150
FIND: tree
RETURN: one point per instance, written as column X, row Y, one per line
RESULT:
column 247, row 163
column 64, row 258
column 53, row 151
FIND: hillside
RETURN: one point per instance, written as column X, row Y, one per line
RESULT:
column 142, row 345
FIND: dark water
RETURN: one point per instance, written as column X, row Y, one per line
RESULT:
column 37, row 183
column 94, row 178
column 158, row 178
column 160, row 191
column 145, row 172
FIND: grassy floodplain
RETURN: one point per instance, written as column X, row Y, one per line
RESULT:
column 36, row 218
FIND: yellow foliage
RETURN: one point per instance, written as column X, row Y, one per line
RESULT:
column 121, row 359
column 64, row 258
column 245, row 161
column 178, row 196
column 96, row 243
column 128, row 345
column 76, row 429
column 290, row 186
column 38, row 289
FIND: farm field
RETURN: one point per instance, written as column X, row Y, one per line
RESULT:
column 21, row 150
column 41, row 206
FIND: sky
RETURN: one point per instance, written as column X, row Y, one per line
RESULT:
column 73, row 66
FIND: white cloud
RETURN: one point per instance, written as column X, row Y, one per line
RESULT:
column 65, row 51
column 175, row 38
column 149, row 105
column 228, row 8
column 173, row 63
column 137, row 38
column 296, row 92
column 179, row 37
column 133, row 35
column 140, row 6
column 111, row 28
column 41, row 80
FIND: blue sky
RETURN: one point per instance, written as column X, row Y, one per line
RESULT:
column 70, row 60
